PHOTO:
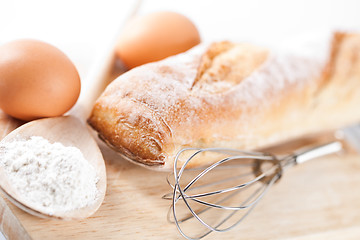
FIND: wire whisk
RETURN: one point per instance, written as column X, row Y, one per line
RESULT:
column 220, row 196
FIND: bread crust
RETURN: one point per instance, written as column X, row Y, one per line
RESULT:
column 227, row 95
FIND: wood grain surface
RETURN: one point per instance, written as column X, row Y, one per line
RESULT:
column 317, row 200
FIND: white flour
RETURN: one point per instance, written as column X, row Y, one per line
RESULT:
column 51, row 177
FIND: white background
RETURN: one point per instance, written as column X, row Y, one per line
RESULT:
column 81, row 28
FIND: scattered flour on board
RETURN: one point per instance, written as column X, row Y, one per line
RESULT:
column 50, row 177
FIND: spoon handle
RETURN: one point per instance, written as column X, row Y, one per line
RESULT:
column 101, row 72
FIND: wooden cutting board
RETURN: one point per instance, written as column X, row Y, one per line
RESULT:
column 317, row 200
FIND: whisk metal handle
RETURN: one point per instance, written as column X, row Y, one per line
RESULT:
column 304, row 155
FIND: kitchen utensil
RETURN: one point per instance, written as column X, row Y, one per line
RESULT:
column 219, row 197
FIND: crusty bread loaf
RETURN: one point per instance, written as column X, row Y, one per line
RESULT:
column 228, row 95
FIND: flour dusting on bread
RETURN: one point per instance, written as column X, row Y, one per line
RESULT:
column 225, row 94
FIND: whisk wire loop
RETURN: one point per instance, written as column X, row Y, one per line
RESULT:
column 249, row 203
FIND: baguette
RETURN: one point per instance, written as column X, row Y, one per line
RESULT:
column 226, row 94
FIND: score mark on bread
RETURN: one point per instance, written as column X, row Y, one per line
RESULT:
column 226, row 64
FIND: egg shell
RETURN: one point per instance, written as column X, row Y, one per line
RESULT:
column 36, row 80
column 156, row 36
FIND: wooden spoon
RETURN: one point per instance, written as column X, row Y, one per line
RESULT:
column 70, row 131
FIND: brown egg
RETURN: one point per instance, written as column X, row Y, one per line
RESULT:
column 156, row 36
column 36, row 80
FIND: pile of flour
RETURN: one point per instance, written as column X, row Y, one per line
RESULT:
column 50, row 177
